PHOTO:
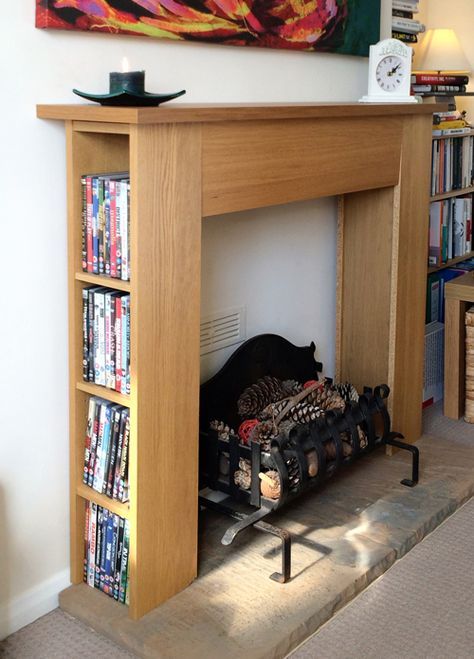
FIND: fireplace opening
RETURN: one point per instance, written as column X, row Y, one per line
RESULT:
column 271, row 429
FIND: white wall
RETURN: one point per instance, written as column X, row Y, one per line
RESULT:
column 290, row 250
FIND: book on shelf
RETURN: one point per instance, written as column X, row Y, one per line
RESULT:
column 438, row 79
column 402, row 13
column 106, row 448
column 450, row 123
column 409, row 25
column 423, row 88
column 405, row 5
column 106, row 551
column 406, row 37
column 106, row 224
column 437, row 132
column 106, row 338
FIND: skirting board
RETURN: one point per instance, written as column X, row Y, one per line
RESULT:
column 31, row 605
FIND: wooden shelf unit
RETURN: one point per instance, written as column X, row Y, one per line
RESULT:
column 189, row 162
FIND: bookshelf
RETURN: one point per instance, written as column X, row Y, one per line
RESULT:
column 190, row 162
column 451, row 195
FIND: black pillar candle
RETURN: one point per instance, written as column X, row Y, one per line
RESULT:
column 129, row 81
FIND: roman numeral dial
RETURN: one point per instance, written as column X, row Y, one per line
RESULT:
column 390, row 73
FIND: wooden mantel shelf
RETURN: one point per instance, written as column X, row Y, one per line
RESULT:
column 184, row 112
column 187, row 162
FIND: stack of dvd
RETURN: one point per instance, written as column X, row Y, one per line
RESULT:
column 106, row 449
column 106, row 338
column 106, row 224
column 107, row 544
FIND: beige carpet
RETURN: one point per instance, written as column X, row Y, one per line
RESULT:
column 423, row 607
column 59, row 636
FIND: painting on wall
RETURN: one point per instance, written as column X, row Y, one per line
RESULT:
column 338, row 26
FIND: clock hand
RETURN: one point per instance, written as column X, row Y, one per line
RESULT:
column 394, row 70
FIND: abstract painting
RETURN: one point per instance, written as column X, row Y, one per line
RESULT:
column 341, row 26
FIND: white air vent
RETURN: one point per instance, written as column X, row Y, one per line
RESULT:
column 222, row 329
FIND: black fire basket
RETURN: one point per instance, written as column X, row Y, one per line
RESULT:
column 363, row 426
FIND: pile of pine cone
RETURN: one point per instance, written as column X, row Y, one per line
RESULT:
column 271, row 408
column 277, row 406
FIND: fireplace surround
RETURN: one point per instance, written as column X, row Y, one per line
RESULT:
column 188, row 162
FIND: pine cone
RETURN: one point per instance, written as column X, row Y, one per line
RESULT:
column 305, row 412
column 253, row 399
column 327, row 398
column 347, row 391
column 270, row 485
column 263, row 433
column 346, row 438
column 222, row 429
column 243, row 475
column 293, row 473
column 291, row 387
column 313, row 463
column 363, row 442
column 302, row 412
column 330, row 449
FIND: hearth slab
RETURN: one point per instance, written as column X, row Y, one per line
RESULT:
column 350, row 532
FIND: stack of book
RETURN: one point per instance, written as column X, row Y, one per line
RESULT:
column 106, row 224
column 106, row 545
column 452, row 158
column 438, row 84
column 106, row 338
column 106, row 449
column 450, row 123
column 404, row 26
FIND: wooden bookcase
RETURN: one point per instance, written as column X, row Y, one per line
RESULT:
column 189, row 162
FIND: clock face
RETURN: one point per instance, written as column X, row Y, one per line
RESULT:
column 390, row 73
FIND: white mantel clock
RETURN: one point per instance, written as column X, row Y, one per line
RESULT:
column 389, row 73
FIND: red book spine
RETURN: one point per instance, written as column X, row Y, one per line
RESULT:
column 438, row 79
column 89, row 247
column 113, row 229
column 118, row 344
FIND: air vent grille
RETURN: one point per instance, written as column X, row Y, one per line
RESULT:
column 222, row 329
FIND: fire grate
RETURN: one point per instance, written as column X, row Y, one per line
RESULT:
column 300, row 457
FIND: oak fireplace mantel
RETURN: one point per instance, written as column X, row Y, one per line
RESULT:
column 187, row 162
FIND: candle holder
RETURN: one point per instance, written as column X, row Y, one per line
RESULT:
column 128, row 89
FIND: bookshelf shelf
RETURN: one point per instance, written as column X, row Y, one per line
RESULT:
column 453, row 193
column 104, row 392
column 117, row 507
column 99, row 280
column 451, row 262
column 446, row 137
column 187, row 163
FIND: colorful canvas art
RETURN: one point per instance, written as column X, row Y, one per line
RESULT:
column 343, row 26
